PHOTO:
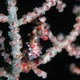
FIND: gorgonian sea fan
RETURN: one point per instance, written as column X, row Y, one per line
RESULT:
column 32, row 57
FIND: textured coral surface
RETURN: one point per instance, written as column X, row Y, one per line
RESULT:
column 40, row 37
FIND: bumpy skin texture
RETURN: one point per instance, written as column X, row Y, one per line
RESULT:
column 41, row 31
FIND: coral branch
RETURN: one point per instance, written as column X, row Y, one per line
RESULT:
column 2, row 72
column 74, row 69
column 3, row 18
column 40, row 11
column 32, row 57
column 16, row 43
